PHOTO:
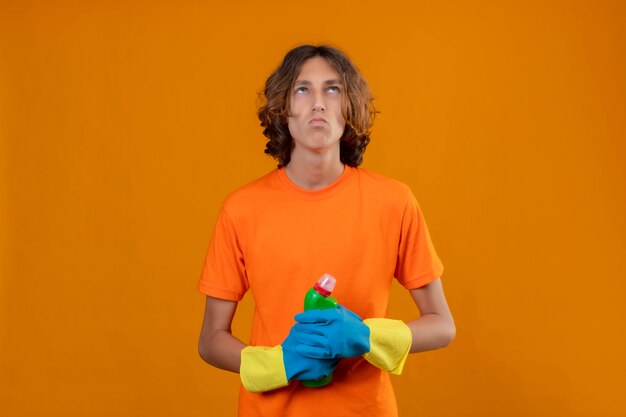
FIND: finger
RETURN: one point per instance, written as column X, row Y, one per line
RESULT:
column 315, row 352
column 315, row 316
column 312, row 328
column 311, row 339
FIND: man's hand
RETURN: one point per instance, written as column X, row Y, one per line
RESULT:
column 301, row 367
column 331, row 333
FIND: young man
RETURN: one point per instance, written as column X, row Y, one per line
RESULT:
column 319, row 213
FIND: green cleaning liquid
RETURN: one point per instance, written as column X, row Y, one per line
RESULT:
column 319, row 298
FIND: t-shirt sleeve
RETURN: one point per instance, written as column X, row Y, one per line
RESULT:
column 418, row 263
column 224, row 271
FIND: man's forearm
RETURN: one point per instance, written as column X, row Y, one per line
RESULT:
column 431, row 331
column 222, row 350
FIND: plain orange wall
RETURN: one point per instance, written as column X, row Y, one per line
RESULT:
column 124, row 125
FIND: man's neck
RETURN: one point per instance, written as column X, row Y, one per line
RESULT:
column 312, row 171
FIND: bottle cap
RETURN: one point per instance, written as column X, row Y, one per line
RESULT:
column 326, row 284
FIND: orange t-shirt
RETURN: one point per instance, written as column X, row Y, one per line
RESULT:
column 277, row 239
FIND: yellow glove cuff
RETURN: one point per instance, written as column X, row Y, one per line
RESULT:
column 262, row 368
column 390, row 343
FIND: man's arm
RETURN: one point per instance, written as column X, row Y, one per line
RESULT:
column 217, row 345
column 385, row 343
column 435, row 327
column 261, row 368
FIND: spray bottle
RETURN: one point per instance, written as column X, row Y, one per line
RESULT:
column 319, row 298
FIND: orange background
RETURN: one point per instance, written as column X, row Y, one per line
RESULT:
column 124, row 125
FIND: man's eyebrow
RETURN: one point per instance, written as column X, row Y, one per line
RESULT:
column 327, row 82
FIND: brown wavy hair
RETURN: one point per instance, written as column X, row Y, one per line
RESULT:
column 357, row 108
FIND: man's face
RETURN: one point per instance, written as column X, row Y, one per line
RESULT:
column 316, row 123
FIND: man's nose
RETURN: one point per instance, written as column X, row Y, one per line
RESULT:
column 318, row 102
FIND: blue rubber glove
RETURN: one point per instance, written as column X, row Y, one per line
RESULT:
column 302, row 367
column 331, row 333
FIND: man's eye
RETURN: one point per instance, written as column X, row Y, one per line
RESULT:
column 334, row 89
column 300, row 90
